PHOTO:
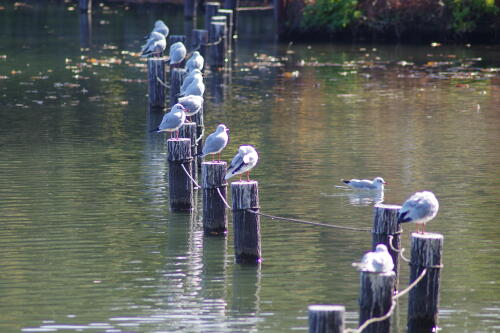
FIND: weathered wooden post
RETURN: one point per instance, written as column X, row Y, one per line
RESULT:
column 423, row 301
column 375, row 300
column 176, row 77
column 190, row 9
column 214, row 208
column 245, row 196
column 223, row 19
column 211, row 9
column 85, row 6
column 156, row 82
column 188, row 130
column 177, row 38
column 85, row 30
column 385, row 228
column 199, row 40
column 280, row 16
column 326, row 318
column 228, row 13
column 179, row 183
column 233, row 5
column 217, row 35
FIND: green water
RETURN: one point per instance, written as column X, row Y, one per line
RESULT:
column 89, row 244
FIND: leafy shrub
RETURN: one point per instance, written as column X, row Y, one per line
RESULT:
column 331, row 14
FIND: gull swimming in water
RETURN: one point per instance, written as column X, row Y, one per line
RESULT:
column 216, row 141
column 365, row 184
column 244, row 161
column 195, row 62
column 172, row 120
column 378, row 261
column 192, row 104
column 161, row 28
column 177, row 53
column 196, row 87
column 155, row 45
column 420, row 208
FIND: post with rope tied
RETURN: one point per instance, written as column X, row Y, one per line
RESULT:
column 176, row 77
column 217, row 49
column 386, row 230
column 188, row 130
column 179, row 171
column 375, row 300
column 423, row 301
column 246, row 221
column 326, row 318
column 214, row 196
column 156, row 79
column 199, row 39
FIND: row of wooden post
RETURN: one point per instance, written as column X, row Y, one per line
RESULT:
column 377, row 290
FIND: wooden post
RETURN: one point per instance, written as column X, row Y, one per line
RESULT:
column 228, row 13
column 188, row 130
column 190, row 8
column 214, row 208
column 176, row 77
column 233, row 5
column 85, row 6
column 176, row 38
column 385, row 224
column 211, row 9
column 280, row 16
column 223, row 19
column 199, row 40
column 423, row 301
column 217, row 52
column 326, row 318
column 375, row 300
column 85, row 30
column 245, row 195
column 179, row 183
column 156, row 90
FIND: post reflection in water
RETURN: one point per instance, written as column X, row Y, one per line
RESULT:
column 246, row 293
column 85, row 30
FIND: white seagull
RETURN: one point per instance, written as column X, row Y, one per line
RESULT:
column 244, row 161
column 420, row 208
column 216, row 141
column 172, row 120
column 177, row 53
column 192, row 104
column 189, row 79
column 196, row 87
column 365, row 184
column 379, row 261
column 155, row 45
column 161, row 28
column 195, row 62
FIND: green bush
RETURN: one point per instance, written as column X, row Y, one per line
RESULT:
column 467, row 15
column 331, row 14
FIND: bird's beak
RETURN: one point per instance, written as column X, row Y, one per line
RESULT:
column 385, row 182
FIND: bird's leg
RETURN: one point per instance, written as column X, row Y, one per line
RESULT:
column 240, row 178
column 219, row 157
column 416, row 225
column 248, row 176
column 423, row 228
column 213, row 158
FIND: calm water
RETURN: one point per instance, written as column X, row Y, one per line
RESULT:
column 87, row 239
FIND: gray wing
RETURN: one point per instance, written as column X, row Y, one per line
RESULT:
column 213, row 144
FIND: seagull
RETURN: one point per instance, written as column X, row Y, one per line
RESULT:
column 155, row 45
column 420, row 208
column 161, row 28
column 192, row 104
column 189, row 79
column 196, row 87
column 195, row 62
column 172, row 120
column 177, row 53
column 216, row 141
column 378, row 261
column 365, row 184
column 244, row 161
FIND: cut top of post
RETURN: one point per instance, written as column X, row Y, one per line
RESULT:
column 385, row 219
column 426, row 249
column 326, row 307
column 245, row 195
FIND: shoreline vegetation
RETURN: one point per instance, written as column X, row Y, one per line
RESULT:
column 390, row 20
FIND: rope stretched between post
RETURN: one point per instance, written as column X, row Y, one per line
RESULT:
column 400, row 251
column 187, row 173
column 393, row 306
column 161, row 82
column 222, row 198
column 308, row 222
column 213, row 43
column 201, row 135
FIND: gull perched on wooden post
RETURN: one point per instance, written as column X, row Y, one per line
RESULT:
column 196, row 61
column 177, row 53
column 420, row 208
column 159, row 27
column 172, row 120
column 365, row 184
column 216, row 141
column 378, row 261
column 192, row 103
column 155, row 45
column 244, row 161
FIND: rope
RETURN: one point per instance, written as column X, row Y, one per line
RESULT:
column 308, row 222
column 161, row 82
column 213, row 43
column 194, row 181
column 400, row 251
column 201, row 135
column 222, row 198
column 393, row 305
